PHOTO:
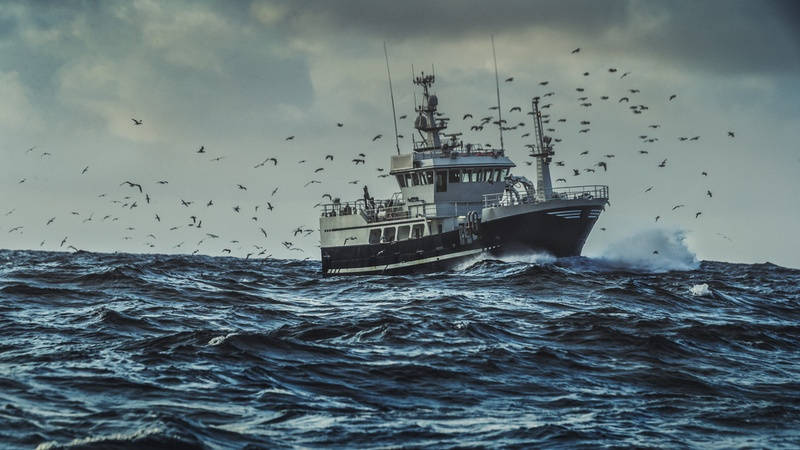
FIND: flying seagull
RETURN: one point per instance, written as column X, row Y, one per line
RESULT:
column 136, row 185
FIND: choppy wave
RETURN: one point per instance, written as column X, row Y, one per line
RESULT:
column 628, row 349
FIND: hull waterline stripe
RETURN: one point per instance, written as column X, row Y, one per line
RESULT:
column 415, row 262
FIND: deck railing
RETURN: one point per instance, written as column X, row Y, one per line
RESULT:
column 506, row 198
column 427, row 152
column 396, row 209
column 379, row 210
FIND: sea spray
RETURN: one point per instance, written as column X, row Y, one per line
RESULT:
column 655, row 250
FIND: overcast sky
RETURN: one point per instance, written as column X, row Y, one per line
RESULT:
column 238, row 77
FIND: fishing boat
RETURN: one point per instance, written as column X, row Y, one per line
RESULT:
column 457, row 201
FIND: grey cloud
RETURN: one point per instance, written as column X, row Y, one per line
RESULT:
column 718, row 35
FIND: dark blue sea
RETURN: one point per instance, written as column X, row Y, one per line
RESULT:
column 159, row 351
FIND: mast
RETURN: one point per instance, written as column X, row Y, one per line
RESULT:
column 426, row 119
column 544, row 154
column 391, row 95
column 497, row 86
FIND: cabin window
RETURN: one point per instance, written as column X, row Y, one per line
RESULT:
column 374, row 235
column 401, row 180
column 429, row 177
column 455, row 176
column 441, row 181
column 415, row 179
column 402, row 232
column 465, row 176
column 473, row 176
column 417, row 231
column 440, row 228
column 388, row 234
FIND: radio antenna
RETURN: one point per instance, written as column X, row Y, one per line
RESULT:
column 391, row 95
column 497, row 85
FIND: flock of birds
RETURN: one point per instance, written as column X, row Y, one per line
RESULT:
column 585, row 102
column 136, row 194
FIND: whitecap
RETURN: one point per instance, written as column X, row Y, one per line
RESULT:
column 86, row 441
column 219, row 339
column 700, row 290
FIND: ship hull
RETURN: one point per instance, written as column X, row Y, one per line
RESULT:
column 560, row 232
column 428, row 254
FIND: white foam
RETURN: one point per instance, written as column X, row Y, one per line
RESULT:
column 700, row 290
column 138, row 434
column 527, row 258
column 219, row 339
column 637, row 252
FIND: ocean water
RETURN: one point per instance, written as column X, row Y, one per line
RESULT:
column 160, row 351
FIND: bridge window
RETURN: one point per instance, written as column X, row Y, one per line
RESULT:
column 408, row 179
column 415, row 178
column 401, row 180
column 441, row 181
column 374, row 235
column 425, row 177
column 473, row 175
column 455, row 176
column 417, row 231
column 388, row 234
column 465, row 176
column 402, row 232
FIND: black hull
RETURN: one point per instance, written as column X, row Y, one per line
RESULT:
column 540, row 231
column 560, row 232
column 428, row 254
